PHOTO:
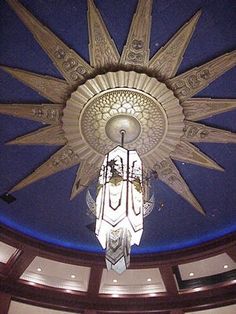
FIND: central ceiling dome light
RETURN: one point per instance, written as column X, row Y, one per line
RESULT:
column 119, row 206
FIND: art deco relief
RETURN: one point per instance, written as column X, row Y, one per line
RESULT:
column 85, row 104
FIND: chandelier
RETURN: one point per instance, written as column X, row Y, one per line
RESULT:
column 119, row 206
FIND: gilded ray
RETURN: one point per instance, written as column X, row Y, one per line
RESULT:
column 201, row 108
column 61, row 160
column 68, row 62
column 169, row 174
column 44, row 113
column 102, row 49
column 168, row 59
column 86, row 173
column 186, row 152
column 198, row 133
column 136, row 51
column 193, row 81
column 50, row 135
column 49, row 87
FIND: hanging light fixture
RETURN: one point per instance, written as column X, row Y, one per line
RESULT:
column 119, row 206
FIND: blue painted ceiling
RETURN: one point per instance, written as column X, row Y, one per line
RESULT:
column 43, row 210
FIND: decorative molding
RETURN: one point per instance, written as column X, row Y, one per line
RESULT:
column 50, row 135
column 61, row 160
column 49, row 87
column 186, row 152
column 202, row 108
column 169, row 174
column 159, row 114
column 102, row 49
column 199, row 133
column 44, row 113
column 149, row 101
column 193, row 81
column 69, row 63
column 168, row 58
column 136, row 51
column 86, row 173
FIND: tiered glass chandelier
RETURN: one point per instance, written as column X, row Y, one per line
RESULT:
column 119, row 206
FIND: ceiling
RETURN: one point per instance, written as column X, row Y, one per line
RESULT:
column 21, row 308
column 43, row 210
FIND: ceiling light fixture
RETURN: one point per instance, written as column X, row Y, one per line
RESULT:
column 72, row 276
column 39, row 269
column 226, row 266
column 149, row 280
column 191, row 274
column 119, row 202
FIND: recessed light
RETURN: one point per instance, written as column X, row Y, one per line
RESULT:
column 31, row 283
column 115, row 280
column 72, row 276
column 191, row 274
column 226, row 266
column 39, row 269
column 115, row 295
column 152, row 294
column 149, row 279
column 67, row 290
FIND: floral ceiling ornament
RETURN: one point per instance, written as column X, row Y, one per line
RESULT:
column 87, row 108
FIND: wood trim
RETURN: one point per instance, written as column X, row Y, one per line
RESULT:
column 5, row 300
column 206, row 281
column 64, row 255
column 232, row 253
column 2, row 267
column 95, row 281
column 168, row 279
column 18, row 263
column 219, row 295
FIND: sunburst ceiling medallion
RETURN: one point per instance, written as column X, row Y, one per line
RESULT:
column 130, row 91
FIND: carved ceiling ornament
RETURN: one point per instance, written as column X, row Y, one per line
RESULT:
column 87, row 107
column 124, row 98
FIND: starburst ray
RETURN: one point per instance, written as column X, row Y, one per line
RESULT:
column 198, row 133
column 136, row 51
column 168, row 58
column 186, row 152
column 201, row 108
column 193, row 81
column 51, row 135
column 102, row 49
column 86, row 173
column 61, row 160
column 44, row 113
column 169, row 174
column 68, row 62
column 51, row 88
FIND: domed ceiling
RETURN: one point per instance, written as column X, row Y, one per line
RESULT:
column 43, row 209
